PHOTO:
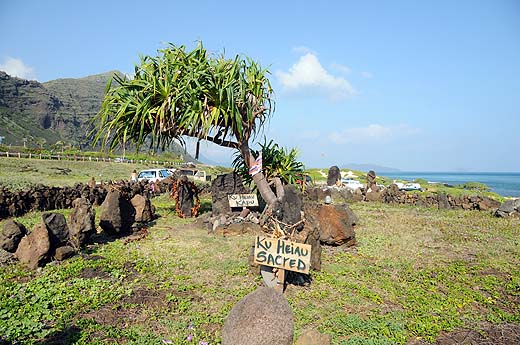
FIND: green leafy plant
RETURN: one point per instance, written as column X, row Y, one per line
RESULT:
column 276, row 162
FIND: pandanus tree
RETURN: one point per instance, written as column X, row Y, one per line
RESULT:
column 190, row 93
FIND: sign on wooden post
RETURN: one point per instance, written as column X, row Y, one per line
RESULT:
column 284, row 254
column 242, row 200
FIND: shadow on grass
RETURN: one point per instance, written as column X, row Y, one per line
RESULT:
column 69, row 335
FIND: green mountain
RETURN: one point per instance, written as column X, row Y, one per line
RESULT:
column 37, row 114
column 44, row 113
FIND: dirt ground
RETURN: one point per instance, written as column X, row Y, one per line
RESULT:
column 490, row 334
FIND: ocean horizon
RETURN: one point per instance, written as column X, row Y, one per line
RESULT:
column 504, row 183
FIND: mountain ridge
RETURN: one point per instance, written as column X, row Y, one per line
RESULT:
column 34, row 113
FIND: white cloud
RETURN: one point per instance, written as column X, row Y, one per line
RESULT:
column 340, row 68
column 373, row 132
column 308, row 74
column 16, row 68
column 302, row 50
column 367, row 75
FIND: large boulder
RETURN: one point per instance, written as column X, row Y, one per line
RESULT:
column 335, row 223
column 334, row 176
column 81, row 222
column 117, row 214
column 144, row 212
column 509, row 208
column 223, row 186
column 291, row 206
column 57, row 227
column 263, row 317
column 313, row 337
column 64, row 252
column 443, row 202
column 374, row 195
column 11, row 235
column 34, row 248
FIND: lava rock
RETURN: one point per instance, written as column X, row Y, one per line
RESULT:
column 263, row 317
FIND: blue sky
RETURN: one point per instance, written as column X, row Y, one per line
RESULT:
column 414, row 85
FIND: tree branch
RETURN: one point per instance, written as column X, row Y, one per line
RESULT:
column 221, row 142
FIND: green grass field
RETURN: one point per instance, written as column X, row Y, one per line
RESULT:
column 414, row 273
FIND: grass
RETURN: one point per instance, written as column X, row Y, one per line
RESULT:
column 16, row 173
column 414, row 273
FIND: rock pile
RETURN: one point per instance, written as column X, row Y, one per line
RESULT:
column 55, row 238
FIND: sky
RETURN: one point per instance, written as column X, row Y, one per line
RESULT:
column 412, row 85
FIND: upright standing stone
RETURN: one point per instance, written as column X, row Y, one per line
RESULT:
column 223, row 186
column 34, row 248
column 291, row 206
column 371, row 181
column 334, row 176
column 81, row 222
column 186, row 195
column 117, row 214
column 58, row 229
column 143, row 208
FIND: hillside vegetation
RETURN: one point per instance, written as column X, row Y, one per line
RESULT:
column 44, row 113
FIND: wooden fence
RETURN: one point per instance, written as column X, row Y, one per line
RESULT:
column 84, row 158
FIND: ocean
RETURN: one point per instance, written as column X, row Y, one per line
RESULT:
column 505, row 184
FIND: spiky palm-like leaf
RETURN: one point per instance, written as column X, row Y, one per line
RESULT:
column 185, row 93
column 276, row 162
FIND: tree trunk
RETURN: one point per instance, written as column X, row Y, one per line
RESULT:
column 197, row 150
column 261, row 183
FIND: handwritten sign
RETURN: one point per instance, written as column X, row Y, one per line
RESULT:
column 275, row 252
column 242, row 200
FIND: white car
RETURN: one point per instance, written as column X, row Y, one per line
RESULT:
column 153, row 175
column 351, row 184
column 411, row 186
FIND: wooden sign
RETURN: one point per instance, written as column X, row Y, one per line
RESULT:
column 284, row 254
column 242, row 200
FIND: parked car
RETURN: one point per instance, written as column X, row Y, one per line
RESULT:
column 351, row 183
column 411, row 186
column 193, row 173
column 153, row 175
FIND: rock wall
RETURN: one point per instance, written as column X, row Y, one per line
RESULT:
column 392, row 195
column 45, row 198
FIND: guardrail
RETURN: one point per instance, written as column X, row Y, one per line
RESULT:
column 84, row 158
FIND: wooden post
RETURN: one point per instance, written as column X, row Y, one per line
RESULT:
column 280, row 277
